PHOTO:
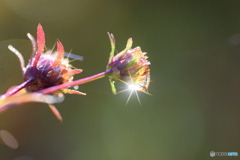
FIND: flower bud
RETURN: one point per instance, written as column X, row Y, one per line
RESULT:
column 129, row 66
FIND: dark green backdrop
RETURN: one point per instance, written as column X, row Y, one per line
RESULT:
column 194, row 48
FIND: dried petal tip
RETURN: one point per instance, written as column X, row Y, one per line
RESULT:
column 129, row 66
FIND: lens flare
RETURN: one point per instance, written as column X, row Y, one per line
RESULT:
column 134, row 87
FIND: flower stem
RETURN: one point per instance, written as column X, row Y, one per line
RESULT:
column 74, row 83
column 18, row 88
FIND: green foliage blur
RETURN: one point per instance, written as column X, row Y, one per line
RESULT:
column 194, row 49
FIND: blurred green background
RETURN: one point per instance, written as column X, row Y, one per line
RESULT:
column 194, row 48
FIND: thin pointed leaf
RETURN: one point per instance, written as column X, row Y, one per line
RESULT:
column 73, row 72
column 19, row 55
column 113, row 87
column 112, row 41
column 56, row 112
column 34, row 46
column 40, row 39
column 60, row 54
column 69, row 91
column 128, row 46
column 40, row 44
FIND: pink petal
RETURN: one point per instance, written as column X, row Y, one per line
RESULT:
column 40, row 43
column 60, row 54
column 73, row 72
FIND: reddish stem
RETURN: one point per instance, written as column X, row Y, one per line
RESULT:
column 18, row 88
column 74, row 83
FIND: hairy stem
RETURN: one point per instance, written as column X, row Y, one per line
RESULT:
column 74, row 83
column 18, row 88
